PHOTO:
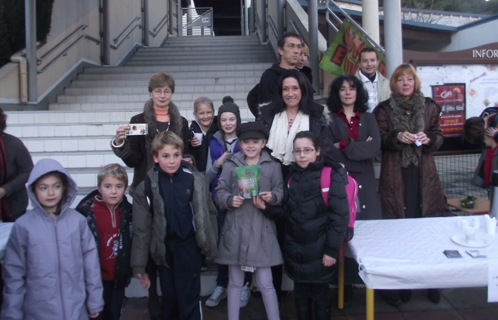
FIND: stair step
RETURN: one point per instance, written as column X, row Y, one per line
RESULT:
column 137, row 70
column 180, row 83
column 193, row 88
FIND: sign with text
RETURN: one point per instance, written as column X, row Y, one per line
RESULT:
column 451, row 97
column 343, row 55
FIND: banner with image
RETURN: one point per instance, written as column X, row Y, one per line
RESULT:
column 343, row 55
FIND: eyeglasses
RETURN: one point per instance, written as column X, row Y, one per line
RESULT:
column 305, row 151
column 158, row 92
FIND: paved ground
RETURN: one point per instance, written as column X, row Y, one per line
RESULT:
column 456, row 304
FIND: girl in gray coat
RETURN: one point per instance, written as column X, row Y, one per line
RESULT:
column 51, row 264
column 248, row 240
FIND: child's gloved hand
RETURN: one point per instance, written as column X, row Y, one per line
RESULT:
column 237, row 201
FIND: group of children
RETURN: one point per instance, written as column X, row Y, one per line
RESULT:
column 66, row 264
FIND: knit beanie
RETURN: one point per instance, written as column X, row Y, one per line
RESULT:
column 229, row 107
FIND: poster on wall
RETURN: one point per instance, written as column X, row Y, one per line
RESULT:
column 480, row 84
column 342, row 57
column 452, row 100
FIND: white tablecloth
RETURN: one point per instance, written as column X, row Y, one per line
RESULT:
column 408, row 254
column 5, row 228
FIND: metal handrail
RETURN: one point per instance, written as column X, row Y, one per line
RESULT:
column 329, row 11
column 115, row 40
column 199, row 16
column 126, row 37
column 272, row 27
column 159, row 26
column 293, row 25
column 64, row 52
column 82, row 27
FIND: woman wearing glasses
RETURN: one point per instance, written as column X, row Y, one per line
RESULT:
column 356, row 140
column 160, row 114
column 291, row 112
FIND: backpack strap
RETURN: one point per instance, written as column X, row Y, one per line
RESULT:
column 149, row 194
column 325, row 183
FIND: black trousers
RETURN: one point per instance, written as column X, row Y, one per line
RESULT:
column 180, row 282
column 113, row 301
column 311, row 297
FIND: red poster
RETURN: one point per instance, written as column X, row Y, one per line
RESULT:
column 451, row 97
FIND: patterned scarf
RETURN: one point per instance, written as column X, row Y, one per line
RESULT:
column 408, row 115
column 4, row 206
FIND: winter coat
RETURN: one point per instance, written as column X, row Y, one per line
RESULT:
column 318, row 123
column 136, row 151
column 268, row 84
column 51, row 267
column 149, row 230
column 123, row 270
column 200, row 153
column 216, row 150
column 312, row 228
column 478, row 178
column 357, row 157
column 391, row 184
column 19, row 165
column 248, row 237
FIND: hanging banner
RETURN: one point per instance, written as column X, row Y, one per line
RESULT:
column 343, row 55
column 451, row 97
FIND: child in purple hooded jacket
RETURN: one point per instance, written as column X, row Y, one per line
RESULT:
column 51, row 265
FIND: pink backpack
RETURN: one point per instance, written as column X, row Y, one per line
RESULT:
column 351, row 191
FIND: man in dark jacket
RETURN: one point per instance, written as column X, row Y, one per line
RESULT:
column 289, row 48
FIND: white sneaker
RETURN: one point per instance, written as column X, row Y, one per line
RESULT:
column 218, row 294
column 245, row 294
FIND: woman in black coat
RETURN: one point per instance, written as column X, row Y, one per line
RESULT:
column 356, row 140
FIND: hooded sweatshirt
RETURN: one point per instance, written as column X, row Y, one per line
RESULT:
column 51, row 267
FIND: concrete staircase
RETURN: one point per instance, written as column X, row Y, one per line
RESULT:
column 77, row 129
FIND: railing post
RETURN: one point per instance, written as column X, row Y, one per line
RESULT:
column 251, row 18
column 370, row 18
column 106, row 34
column 313, row 48
column 180, row 19
column 262, row 17
column 145, row 18
column 170, row 13
column 280, row 17
column 392, row 34
column 30, row 24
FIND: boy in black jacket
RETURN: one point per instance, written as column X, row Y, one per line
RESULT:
column 109, row 217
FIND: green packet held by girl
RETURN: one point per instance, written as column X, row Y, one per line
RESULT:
column 248, row 181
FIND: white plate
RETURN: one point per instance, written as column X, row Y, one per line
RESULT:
column 482, row 240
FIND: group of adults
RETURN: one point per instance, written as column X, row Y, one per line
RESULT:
column 368, row 115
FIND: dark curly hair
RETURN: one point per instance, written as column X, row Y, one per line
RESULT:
column 334, row 100
column 302, row 81
column 3, row 121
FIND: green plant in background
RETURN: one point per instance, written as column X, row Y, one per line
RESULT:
column 12, row 26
